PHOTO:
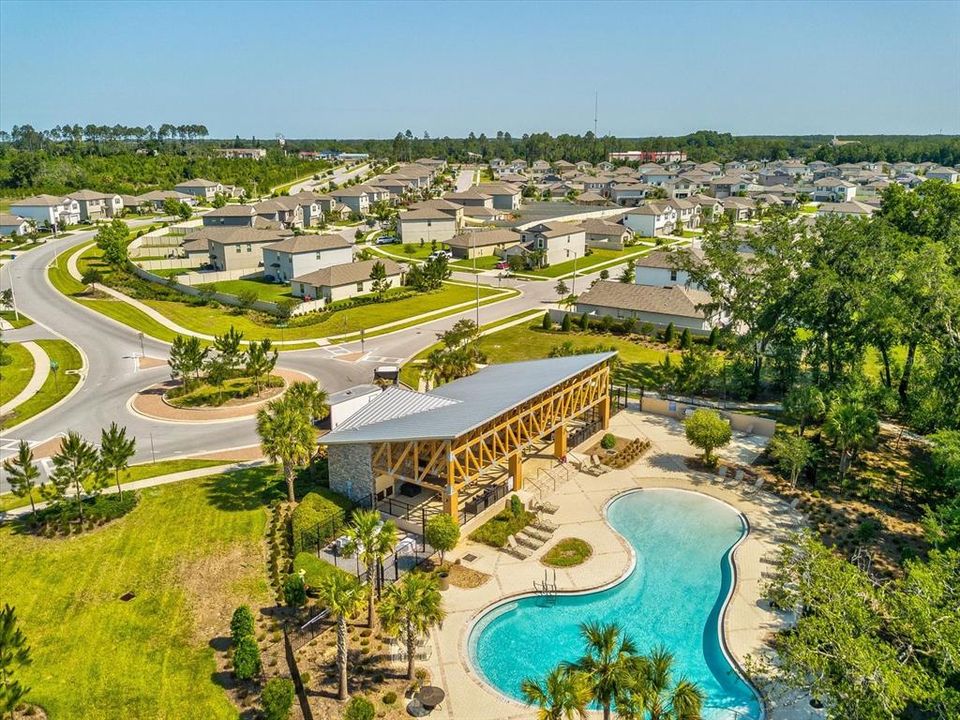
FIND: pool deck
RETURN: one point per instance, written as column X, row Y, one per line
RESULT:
column 748, row 622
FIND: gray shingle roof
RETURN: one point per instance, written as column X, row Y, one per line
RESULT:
column 346, row 273
column 675, row 300
column 451, row 410
column 309, row 243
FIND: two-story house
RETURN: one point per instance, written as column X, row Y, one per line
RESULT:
column 199, row 188
column 551, row 243
column 238, row 248
column 303, row 254
column 653, row 218
column 829, row 189
column 47, row 210
column 96, row 205
column 428, row 225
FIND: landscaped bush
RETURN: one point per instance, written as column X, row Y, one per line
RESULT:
column 608, row 442
column 241, row 624
column 495, row 531
column 64, row 516
column 442, row 533
column 246, row 658
column 389, row 698
column 294, row 591
column 318, row 518
column 277, row 698
column 516, row 504
column 568, row 553
column 208, row 395
column 359, row 708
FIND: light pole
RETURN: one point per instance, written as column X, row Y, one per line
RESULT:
column 573, row 289
column 142, row 353
column 473, row 242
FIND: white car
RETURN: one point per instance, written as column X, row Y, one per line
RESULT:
column 440, row 253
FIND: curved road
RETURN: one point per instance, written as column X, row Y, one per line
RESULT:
column 110, row 349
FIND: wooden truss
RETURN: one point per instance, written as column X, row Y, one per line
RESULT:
column 449, row 464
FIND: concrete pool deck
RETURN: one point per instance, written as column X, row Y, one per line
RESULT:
column 748, row 622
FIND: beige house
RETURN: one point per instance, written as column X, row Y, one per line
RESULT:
column 340, row 282
column 471, row 197
column 95, row 205
column 303, row 254
column 600, row 233
column 505, row 196
column 199, row 188
column 238, row 248
column 427, row 225
column 645, row 303
column 452, row 209
column 483, row 243
column 558, row 241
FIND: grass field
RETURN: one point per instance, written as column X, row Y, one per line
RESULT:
column 190, row 552
column 396, row 252
column 17, row 322
column 8, row 501
column 269, row 292
column 483, row 263
column 15, row 375
column 57, row 386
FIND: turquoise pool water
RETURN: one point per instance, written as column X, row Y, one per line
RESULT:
column 673, row 596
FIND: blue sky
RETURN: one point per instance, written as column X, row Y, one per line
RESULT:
column 370, row 69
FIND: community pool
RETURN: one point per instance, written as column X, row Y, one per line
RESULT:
column 674, row 596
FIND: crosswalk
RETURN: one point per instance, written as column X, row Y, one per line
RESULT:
column 343, row 354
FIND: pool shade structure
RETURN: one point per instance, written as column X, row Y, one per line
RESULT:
column 444, row 439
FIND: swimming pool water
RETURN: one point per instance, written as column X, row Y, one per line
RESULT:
column 673, row 596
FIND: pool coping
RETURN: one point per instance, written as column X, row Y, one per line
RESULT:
column 476, row 675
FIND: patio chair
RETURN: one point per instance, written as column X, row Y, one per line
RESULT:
column 737, row 479
column 529, row 541
column 512, row 548
column 548, row 508
column 541, row 523
column 720, row 476
column 755, row 488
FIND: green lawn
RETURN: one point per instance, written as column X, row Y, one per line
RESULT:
column 590, row 262
column 8, row 501
column 190, row 552
column 15, row 375
column 808, row 209
column 16, row 322
column 494, row 532
column 396, row 252
column 488, row 262
column 269, row 292
column 57, row 386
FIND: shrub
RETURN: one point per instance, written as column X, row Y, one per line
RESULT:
column 686, row 342
column 608, row 441
column 516, row 505
column 359, row 708
column 389, row 698
column 241, row 624
column 277, row 698
column 866, row 531
column 318, row 517
column 294, row 591
column 246, row 658
column 706, row 430
column 668, row 334
column 712, row 341
column 606, row 323
column 566, row 325
column 442, row 533
column 547, row 322
column 584, row 322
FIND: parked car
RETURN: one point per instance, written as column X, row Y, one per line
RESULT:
column 502, row 265
column 440, row 253
column 387, row 240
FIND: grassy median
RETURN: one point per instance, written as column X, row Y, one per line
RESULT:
column 57, row 385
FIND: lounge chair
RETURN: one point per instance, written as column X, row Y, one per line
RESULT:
column 720, row 476
column 755, row 488
column 541, row 523
column 512, row 548
column 737, row 479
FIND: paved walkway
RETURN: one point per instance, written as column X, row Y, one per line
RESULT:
column 152, row 482
column 747, row 623
column 41, row 368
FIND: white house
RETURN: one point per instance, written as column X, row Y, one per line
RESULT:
column 199, row 188
column 659, row 268
column 13, row 225
column 950, row 175
column 559, row 241
column 354, row 198
column 830, row 189
column 303, row 254
column 340, row 282
column 653, row 218
column 47, row 210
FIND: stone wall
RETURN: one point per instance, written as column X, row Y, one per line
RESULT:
column 351, row 470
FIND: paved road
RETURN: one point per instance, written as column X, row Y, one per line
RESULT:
column 339, row 175
column 464, row 180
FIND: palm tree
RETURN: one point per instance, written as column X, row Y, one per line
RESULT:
column 23, row 473
column 116, row 451
column 73, row 464
column 563, row 695
column 371, row 540
column 286, row 436
column 608, row 662
column 654, row 697
column 409, row 609
column 850, row 426
column 343, row 596
column 311, row 398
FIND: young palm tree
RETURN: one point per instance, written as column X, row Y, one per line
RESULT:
column 286, row 436
column 116, row 450
column 654, row 697
column 409, row 609
column 563, row 695
column 608, row 662
column 850, row 426
column 371, row 540
column 23, row 473
column 73, row 464
column 311, row 398
column 343, row 596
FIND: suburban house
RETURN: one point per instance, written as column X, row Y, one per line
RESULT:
column 340, row 282
column 13, row 225
column 311, row 206
column 238, row 248
column 833, row 190
column 710, row 207
column 470, row 197
column 656, row 217
column 943, row 173
column 505, row 197
column 681, row 188
column 231, row 215
column 713, row 169
column 47, row 210
column 158, row 197
column 199, row 188
column 688, row 212
column 483, row 243
column 95, row 205
column 600, row 233
column 395, row 186
column 591, row 198
column 739, row 208
column 197, row 251
column 558, row 241
column 131, row 203
column 852, row 208
column 539, row 169
column 285, row 210
column 452, row 209
column 428, row 225
column 242, row 153
column 908, row 180
column 728, row 185
column 354, row 198
column 649, row 304
column 303, row 254
column 658, row 268
column 629, row 194
column 655, row 174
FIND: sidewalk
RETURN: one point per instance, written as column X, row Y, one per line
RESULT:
column 151, row 482
column 41, row 368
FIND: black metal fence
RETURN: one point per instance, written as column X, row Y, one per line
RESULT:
column 482, row 500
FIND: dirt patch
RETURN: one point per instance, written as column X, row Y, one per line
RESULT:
column 147, row 362
column 466, row 578
column 251, row 452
